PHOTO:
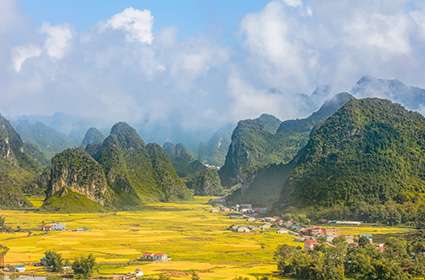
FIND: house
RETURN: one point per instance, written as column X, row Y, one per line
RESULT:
column 243, row 229
column 282, row 231
column 53, row 227
column 152, row 257
column 309, row 244
column 138, row 273
column 58, row 227
column 17, row 268
column 380, row 247
column 46, row 227
column 313, row 231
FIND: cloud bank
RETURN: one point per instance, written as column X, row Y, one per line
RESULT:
column 121, row 69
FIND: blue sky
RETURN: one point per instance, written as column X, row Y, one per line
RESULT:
column 189, row 16
column 199, row 63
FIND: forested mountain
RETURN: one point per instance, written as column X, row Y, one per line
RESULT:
column 121, row 173
column 266, row 140
column 371, row 150
column 17, row 167
column 366, row 161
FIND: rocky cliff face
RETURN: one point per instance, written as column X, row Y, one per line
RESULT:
column 17, row 168
column 76, row 171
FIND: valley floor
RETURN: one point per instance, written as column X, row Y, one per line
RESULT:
column 193, row 237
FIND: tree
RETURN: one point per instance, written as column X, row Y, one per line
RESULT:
column 195, row 276
column 2, row 222
column 84, row 266
column 53, row 261
column 3, row 252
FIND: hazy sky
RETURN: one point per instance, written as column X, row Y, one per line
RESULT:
column 204, row 63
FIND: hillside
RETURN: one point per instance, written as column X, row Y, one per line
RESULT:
column 17, row 168
column 121, row 173
column 265, row 140
column 371, row 150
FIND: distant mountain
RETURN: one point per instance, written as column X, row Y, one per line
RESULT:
column 214, row 151
column 411, row 97
column 17, row 167
column 121, row 173
column 206, row 182
column 266, row 140
column 183, row 162
column 93, row 136
column 202, row 180
column 46, row 139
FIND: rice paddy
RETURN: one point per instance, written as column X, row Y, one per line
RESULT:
column 194, row 238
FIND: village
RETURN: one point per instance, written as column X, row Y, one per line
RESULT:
column 67, row 270
column 255, row 220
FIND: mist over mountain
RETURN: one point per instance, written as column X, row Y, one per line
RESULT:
column 46, row 139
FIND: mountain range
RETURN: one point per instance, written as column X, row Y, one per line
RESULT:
column 366, row 161
column 120, row 173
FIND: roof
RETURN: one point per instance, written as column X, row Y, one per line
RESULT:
column 310, row 242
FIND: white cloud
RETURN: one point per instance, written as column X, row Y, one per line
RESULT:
column 277, row 48
column 387, row 33
column 23, row 53
column 136, row 23
column 293, row 3
column 58, row 39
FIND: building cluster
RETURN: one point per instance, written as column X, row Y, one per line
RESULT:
column 53, row 227
column 155, row 257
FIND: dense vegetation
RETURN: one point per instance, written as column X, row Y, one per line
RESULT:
column 266, row 140
column 400, row 260
column 371, row 150
column 17, row 167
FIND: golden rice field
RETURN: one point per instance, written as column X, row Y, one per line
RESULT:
column 195, row 239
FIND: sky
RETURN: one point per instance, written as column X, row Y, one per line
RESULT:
column 201, row 63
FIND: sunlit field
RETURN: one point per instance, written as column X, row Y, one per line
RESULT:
column 195, row 239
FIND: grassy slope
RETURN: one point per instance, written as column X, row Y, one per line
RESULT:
column 71, row 202
column 193, row 237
